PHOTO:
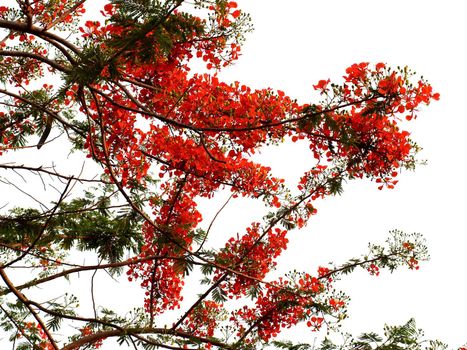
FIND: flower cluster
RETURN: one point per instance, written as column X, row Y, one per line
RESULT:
column 251, row 256
column 166, row 137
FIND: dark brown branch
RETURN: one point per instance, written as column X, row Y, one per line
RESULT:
column 54, row 39
column 34, row 56
column 89, row 339
column 28, row 12
column 28, row 303
column 144, row 111
column 209, row 152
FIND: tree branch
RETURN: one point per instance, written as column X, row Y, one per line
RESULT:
column 89, row 339
column 28, row 303
column 54, row 39
column 38, row 57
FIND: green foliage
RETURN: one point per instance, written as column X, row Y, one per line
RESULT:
column 88, row 70
column 404, row 337
column 219, row 295
column 288, row 345
column 60, row 309
column 139, row 10
column 184, row 265
column 32, row 108
column 149, row 22
column 88, row 224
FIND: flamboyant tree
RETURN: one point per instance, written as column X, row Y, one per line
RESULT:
column 118, row 88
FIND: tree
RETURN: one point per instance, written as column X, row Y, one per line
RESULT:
column 123, row 94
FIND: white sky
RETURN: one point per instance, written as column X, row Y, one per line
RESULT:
column 298, row 42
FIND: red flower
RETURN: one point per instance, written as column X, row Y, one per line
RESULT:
column 322, row 85
column 236, row 13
